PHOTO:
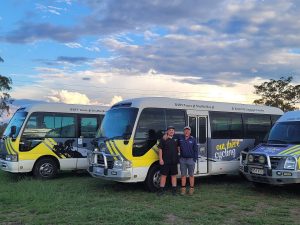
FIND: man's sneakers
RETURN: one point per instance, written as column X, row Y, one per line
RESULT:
column 191, row 191
column 183, row 191
column 161, row 191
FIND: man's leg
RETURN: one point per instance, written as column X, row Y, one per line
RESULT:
column 163, row 179
column 174, row 172
column 174, row 181
column 183, row 171
column 191, row 169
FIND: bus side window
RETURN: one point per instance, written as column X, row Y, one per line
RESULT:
column 88, row 126
column 149, row 130
column 192, row 124
column 226, row 125
column 256, row 126
column 176, row 118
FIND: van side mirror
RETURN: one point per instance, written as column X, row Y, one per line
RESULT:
column 13, row 131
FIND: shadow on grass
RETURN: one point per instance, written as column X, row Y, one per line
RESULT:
column 290, row 189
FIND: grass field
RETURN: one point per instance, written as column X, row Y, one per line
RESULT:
column 76, row 198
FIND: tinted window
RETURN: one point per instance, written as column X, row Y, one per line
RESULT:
column 192, row 124
column 256, row 126
column 42, row 125
column 274, row 118
column 118, row 123
column 176, row 118
column 88, row 126
column 17, row 120
column 226, row 125
column 285, row 133
column 202, row 130
column 151, row 126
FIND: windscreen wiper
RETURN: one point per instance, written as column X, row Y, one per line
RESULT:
column 277, row 141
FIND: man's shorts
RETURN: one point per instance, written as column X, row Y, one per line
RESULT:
column 168, row 169
column 187, row 164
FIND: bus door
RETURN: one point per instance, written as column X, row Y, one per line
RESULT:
column 88, row 126
column 199, row 127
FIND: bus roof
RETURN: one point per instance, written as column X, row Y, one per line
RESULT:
column 64, row 108
column 290, row 116
column 162, row 102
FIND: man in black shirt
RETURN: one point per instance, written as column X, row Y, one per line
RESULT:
column 168, row 159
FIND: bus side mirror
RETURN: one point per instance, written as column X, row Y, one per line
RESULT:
column 13, row 131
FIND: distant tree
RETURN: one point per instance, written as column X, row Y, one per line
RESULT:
column 278, row 93
column 2, row 128
column 5, row 86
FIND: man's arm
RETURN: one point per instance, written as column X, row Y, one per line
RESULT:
column 195, row 147
column 161, row 161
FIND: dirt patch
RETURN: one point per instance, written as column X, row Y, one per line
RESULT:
column 295, row 215
column 173, row 219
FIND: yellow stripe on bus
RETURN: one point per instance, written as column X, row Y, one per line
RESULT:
column 52, row 141
column 109, row 148
column 11, row 147
column 295, row 153
column 6, row 146
column 289, row 150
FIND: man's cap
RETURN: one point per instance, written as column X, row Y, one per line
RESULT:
column 187, row 127
column 170, row 127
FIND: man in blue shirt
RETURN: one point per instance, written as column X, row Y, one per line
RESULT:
column 188, row 157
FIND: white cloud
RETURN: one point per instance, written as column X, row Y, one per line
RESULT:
column 116, row 99
column 49, row 9
column 73, row 45
column 69, row 97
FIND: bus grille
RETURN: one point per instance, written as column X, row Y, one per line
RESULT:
column 275, row 161
column 110, row 161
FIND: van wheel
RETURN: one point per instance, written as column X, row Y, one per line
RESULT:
column 45, row 168
column 152, row 181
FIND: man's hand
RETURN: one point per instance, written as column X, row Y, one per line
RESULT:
column 161, row 162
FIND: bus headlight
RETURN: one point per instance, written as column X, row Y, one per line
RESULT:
column 290, row 163
column 250, row 158
column 119, row 164
column 261, row 159
column 11, row 158
column 127, row 164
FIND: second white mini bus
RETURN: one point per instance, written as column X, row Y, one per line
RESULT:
column 128, row 138
column 48, row 137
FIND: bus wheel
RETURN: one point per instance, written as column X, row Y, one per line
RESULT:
column 153, row 178
column 45, row 168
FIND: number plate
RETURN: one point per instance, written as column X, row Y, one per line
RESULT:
column 257, row 171
column 99, row 171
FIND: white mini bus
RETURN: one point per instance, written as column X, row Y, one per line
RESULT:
column 127, row 140
column 48, row 137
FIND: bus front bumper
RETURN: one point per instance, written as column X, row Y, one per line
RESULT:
column 109, row 174
column 9, row 166
column 268, row 176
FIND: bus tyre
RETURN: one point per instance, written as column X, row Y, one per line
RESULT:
column 45, row 168
column 153, row 178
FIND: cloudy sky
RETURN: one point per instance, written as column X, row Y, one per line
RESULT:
column 99, row 52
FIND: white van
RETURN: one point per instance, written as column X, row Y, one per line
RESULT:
column 277, row 161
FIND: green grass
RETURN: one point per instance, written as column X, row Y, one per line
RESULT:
column 76, row 198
